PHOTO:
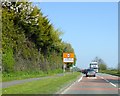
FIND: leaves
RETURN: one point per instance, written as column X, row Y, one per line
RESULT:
column 29, row 40
column 102, row 64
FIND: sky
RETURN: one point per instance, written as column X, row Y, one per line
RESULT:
column 91, row 28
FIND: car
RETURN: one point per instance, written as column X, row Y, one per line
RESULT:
column 90, row 72
column 84, row 71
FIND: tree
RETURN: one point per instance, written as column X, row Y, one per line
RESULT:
column 101, row 63
column 102, row 66
column 29, row 40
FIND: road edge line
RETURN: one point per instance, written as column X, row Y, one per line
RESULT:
column 80, row 78
column 71, row 85
column 108, row 81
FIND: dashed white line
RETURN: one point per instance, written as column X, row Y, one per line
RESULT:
column 113, row 84
column 108, row 81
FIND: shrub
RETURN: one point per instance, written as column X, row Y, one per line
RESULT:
column 8, row 60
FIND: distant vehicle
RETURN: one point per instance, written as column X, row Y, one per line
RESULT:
column 94, row 65
column 84, row 71
column 90, row 72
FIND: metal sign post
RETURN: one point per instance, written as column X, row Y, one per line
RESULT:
column 64, row 66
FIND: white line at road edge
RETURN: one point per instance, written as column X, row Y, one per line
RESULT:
column 108, row 81
column 72, row 85
column 80, row 78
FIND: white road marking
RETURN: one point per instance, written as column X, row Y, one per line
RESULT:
column 108, row 81
column 67, row 88
column 80, row 78
column 102, row 77
column 92, row 77
column 72, row 85
column 112, row 75
column 113, row 84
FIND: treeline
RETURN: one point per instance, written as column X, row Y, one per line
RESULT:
column 101, row 63
column 29, row 40
column 103, row 68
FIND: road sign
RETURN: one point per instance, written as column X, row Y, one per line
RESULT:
column 68, row 57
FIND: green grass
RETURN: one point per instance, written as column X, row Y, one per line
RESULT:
column 46, row 86
column 0, row 76
column 1, row 83
column 27, row 74
column 112, row 72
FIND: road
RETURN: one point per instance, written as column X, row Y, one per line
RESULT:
column 101, row 84
column 15, row 82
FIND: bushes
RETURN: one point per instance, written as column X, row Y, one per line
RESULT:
column 28, row 74
column 8, row 60
column 29, row 40
column 112, row 72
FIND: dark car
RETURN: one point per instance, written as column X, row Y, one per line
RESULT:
column 84, row 71
column 90, row 72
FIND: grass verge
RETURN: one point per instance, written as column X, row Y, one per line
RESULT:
column 0, row 83
column 112, row 72
column 46, row 86
column 28, row 74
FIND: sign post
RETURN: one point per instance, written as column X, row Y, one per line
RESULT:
column 64, row 66
column 67, row 58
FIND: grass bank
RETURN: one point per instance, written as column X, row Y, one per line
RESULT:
column 46, row 86
column 112, row 72
column 0, row 76
column 28, row 74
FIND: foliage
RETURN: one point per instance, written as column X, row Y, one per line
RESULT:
column 112, row 72
column 101, row 63
column 18, row 75
column 68, row 48
column 102, row 67
column 8, row 60
column 29, row 40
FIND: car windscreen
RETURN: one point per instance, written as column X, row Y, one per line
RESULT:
column 91, row 71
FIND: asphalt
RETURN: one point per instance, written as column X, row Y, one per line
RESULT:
column 101, row 84
column 15, row 82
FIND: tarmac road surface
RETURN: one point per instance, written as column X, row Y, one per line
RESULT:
column 101, row 84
